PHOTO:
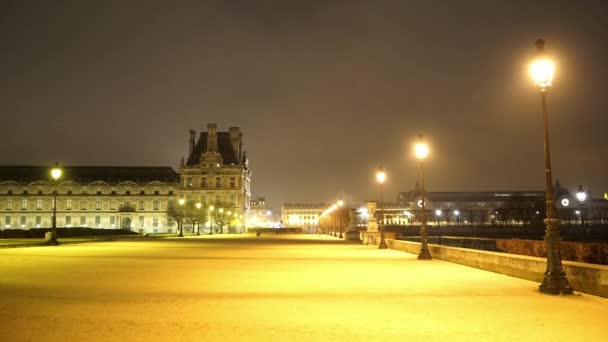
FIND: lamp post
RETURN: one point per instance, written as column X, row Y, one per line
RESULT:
column 581, row 195
column 180, row 222
column 555, row 281
column 211, row 209
column 340, row 203
column 422, row 151
column 198, row 222
column 55, row 175
column 381, row 177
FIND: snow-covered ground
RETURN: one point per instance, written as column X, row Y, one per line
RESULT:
column 273, row 289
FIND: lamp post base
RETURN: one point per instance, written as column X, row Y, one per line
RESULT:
column 555, row 285
column 50, row 239
column 424, row 254
column 382, row 245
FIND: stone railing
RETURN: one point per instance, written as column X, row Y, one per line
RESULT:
column 583, row 277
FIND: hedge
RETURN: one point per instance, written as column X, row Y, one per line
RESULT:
column 276, row 230
column 61, row 232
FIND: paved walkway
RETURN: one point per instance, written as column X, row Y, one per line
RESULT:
column 273, row 289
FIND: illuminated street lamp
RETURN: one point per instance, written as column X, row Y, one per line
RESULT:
column 381, row 177
column 56, row 173
column 340, row 203
column 180, row 223
column 198, row 223
column 211, row 209
column 555, row 281
column 422, row 151
column 457, row 214
column 581, row 196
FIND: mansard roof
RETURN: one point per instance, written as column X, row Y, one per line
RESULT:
column 88, row 174
column 224, row 146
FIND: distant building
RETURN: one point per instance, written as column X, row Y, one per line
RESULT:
column 301, row 215
column 261, row 214
column 216, row 172
column 491, row 207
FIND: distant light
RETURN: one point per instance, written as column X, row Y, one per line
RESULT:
column 340, row 203
column 565, row 202
column 268, row 213
column 181, row 201
column 542, row 71
column 381, row 175
column 422, row 150
column 581, row 195
column 56, row 173
column 419, row 203
column 438, row 212
column 457, row 212
column 198, row 205
column 577, row 212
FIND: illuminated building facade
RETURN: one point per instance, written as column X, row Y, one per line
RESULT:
column 261, row 214
column 217, row 172
column 301, row 215
column 492, row 207
column 137, row 198
column 98, row 197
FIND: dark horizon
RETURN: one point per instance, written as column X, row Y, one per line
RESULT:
column 324, row 91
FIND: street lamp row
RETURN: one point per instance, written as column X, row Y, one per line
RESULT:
column 330, row 210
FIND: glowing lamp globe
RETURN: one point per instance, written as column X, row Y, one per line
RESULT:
column 381, row 176
column 421, row 150
column 56, row 173
column 542, row 68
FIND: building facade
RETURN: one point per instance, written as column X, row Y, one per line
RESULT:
column 136, row 198
column 301, row 215
column 491, row 207
column 216, row 172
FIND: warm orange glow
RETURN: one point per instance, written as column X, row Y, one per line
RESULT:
column 181, row 201
column 381, row 176
column 340, row 203
column 422, row 150
column 542, row 71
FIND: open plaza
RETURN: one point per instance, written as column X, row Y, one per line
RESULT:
column 273, row 288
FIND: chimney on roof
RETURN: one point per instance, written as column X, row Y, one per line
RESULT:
column 211, row 137
column 235, row 140
column 191, row 142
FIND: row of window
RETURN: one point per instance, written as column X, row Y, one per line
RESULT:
column 211, row 200
column 69, row 221
column 202, row 182
column 84, row 192
column 69, row 204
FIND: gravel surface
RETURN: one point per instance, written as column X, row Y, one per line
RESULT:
column 274, row 288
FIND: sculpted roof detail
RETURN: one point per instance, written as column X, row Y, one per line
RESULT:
column 224, row 146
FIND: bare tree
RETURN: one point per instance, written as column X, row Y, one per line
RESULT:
column 195, row 214
column 177, row 214
column 222, row 215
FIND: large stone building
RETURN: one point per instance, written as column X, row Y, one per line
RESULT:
column 216, row 173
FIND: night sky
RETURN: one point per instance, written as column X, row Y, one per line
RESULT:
column 324, row 91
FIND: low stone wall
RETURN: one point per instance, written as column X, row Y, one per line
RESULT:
column 583, row 277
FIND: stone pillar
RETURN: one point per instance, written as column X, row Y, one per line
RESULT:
column 352, row 234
